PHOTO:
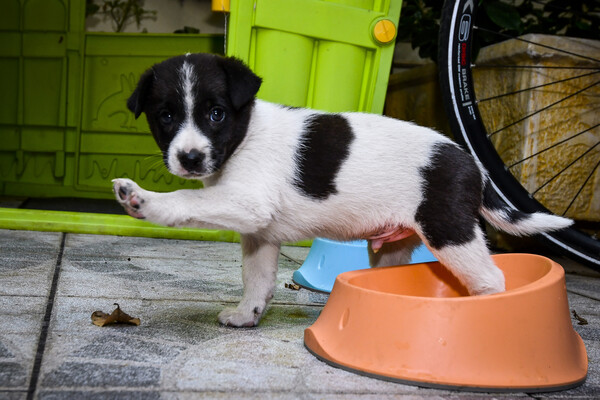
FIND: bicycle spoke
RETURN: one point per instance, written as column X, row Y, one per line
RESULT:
column 472, row 122
column 564, row 169
column 553, row 146
column 504, row 35
column 581, row 188
column 543, row 109
column 535, row 87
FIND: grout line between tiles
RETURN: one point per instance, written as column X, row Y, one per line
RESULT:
column 37, row 364
column 290, row 258
column 582, row 294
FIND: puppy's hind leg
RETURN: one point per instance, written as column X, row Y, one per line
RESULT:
column 394, row 253
column 472, row 264
column 259, row 273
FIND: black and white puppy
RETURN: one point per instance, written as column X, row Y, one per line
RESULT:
column 275, row 174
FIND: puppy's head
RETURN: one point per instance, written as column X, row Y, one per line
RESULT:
column 198, row 107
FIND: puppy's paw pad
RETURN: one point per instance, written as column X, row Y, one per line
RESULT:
column 239, row 319
column 123, row 187
column 128, row 194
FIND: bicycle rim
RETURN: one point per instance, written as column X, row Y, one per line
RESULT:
column 465, row 117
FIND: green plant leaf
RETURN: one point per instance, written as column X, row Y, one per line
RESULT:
column 503, row 15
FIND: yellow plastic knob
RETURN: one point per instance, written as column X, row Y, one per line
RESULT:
column 384, row 31
column 220, row 5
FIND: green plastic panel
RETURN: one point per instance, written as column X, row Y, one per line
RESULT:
column 63, row 118
column 39, row 60
column 65, row 128
column 64, row 125
column 315, row 53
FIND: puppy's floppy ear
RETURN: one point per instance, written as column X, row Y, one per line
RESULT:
column 243, row 83
column 138, row 98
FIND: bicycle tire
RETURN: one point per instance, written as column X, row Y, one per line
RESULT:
column 457, row 87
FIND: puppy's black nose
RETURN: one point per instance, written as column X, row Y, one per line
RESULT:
column 192, row 160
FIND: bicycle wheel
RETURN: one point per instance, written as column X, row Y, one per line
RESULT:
column 538, row 135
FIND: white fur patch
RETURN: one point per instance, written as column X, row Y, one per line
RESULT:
column 189, row 136
column 533, row 223
column 472, row 265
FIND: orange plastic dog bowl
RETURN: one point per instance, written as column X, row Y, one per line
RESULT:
column 416, row 324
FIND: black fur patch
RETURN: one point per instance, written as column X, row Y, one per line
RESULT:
column 324, row 146
column 452, row 195
column 492, row 201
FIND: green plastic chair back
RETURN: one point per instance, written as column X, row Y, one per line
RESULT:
column 314, row 53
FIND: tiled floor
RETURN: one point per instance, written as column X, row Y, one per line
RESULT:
column 50, row 283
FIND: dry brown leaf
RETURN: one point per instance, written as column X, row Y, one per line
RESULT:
column 116, row 317
column 292, row 286
column 580, row 319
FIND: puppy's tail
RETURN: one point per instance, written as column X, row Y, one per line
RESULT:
column 515, row 222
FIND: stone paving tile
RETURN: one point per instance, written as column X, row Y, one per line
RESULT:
column 31, row 245
column 150, row 268
column 20, row 323
column 26, row 270
column 99, row 266
column 20, row 395
column 100, row 394
column 584, row 285
column 179, row 346
column 177, row 289
column 27, row 262
column 295, row 253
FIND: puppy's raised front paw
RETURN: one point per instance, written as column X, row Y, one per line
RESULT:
column 240, row 318
column 128, row 194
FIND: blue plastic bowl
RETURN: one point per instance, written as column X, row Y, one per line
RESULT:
column 329, row 258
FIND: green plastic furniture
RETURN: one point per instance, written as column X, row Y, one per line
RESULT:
column 66, row 131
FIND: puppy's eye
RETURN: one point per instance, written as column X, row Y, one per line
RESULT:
column 217, row 114
column 165, row 117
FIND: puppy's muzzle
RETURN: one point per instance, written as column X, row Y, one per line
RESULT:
column 192, row 161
